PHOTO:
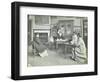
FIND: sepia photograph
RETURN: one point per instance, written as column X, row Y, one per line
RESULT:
column 57, row 40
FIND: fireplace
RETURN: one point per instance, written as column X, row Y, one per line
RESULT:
column 43, row 34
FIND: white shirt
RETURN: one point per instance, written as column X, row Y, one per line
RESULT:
column 74, row 39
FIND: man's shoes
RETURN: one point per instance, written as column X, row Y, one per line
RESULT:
column 73, row 58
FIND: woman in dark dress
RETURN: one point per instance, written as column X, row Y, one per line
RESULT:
column 39, row 47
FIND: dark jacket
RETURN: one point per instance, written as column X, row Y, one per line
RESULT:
column 38, row 45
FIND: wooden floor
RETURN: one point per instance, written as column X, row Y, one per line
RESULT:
column 55, row 57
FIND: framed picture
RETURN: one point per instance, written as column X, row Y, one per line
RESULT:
column 53, row 40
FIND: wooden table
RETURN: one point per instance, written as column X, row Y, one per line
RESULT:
column 60, row 42
column 67, row 46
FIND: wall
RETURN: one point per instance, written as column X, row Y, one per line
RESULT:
column 39, row 28
column 46, row 23
column 5, row 41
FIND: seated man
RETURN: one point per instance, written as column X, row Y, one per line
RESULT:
column 74, row 43
column 79, row 51
column 39, row 48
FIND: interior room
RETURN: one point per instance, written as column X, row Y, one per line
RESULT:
column 58, row 50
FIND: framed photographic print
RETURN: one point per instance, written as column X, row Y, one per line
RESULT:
column 53, row 40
